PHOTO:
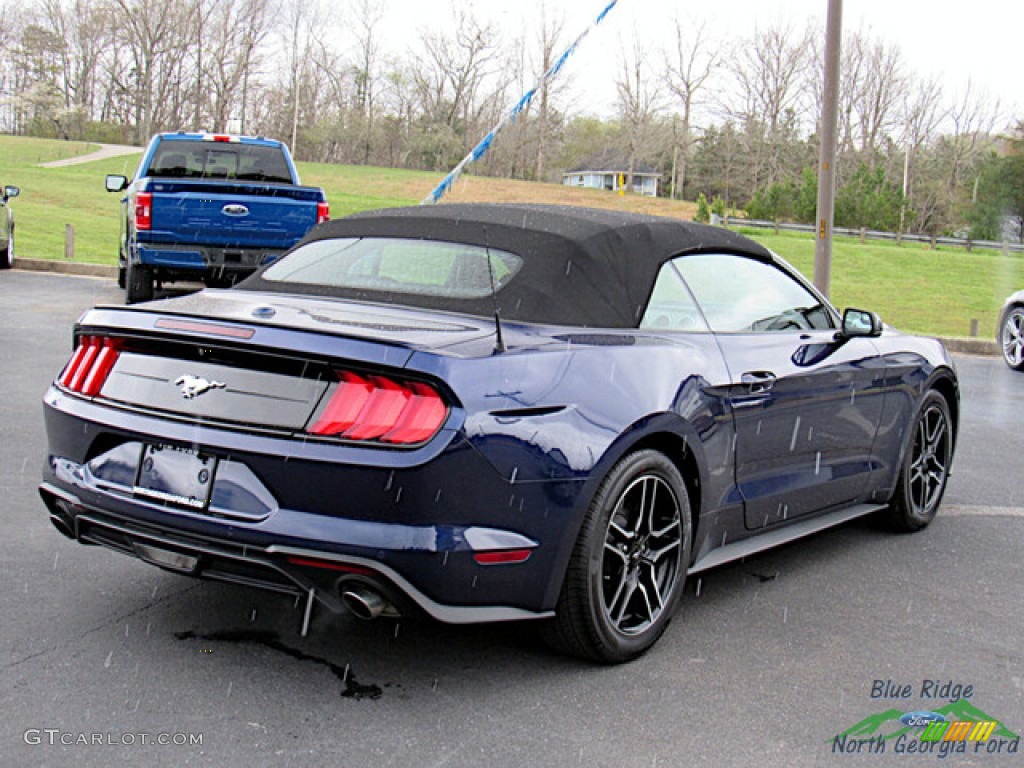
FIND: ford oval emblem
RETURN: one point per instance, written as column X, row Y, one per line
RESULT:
column 921, row 719
column 264, row 312
column 235, row 209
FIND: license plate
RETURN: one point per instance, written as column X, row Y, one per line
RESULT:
column 179, row 477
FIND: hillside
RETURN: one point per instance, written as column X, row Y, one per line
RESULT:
column 350, row 188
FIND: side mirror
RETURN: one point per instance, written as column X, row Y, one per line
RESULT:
column 116, row 183
column 860, row 323
column 10, row 192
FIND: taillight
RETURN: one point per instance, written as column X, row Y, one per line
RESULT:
column 91, row 363
column 383, row 409
column 144, row 210
column 323, row 212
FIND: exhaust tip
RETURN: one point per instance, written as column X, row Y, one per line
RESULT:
column 62, row 525
column 365, row 603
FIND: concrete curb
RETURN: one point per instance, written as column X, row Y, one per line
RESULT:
column 66, row 267
column 961, row 346
column 975, row 346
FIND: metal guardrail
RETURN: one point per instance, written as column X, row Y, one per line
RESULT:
column 871, row 234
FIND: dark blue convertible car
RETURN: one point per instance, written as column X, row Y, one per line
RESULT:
column 494, row 412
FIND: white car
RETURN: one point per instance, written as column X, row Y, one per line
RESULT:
column 7, row 228
column 1010, row 334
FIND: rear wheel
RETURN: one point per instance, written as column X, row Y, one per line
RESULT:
column 7, row 254
column 925, row 470
column 138, row 283
column 1011, row 337
column 629, row 564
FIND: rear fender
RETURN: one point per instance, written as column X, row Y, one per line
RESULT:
column 667, row 432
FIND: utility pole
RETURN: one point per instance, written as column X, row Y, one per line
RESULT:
column 827, row 160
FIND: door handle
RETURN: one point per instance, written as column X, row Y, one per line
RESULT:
column 757, row 382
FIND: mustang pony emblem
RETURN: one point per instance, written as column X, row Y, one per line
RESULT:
column 193, row 386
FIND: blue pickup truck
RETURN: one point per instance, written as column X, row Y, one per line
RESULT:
column 210, row 208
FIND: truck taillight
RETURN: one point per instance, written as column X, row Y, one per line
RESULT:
column 323, row 212
column 144, row 210
column 91, row 363
column 381, row 409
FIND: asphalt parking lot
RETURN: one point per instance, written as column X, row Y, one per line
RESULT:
column 769, row 660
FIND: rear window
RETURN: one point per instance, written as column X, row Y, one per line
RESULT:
column 394, row 265
column 219, row 160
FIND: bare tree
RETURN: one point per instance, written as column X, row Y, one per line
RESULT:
column 879, row 95
column 450, row 75
column 973, row 117
column 550, row 41
column 456, row 65
column 234, row 31
column 157, row 36
column 922, row 114
column 689, row 66
column 367, row 19
column 639, row 101
column 84, row 29
column 301, row 41
column 770, row 76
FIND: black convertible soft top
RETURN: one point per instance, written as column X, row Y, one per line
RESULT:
column 581, row 266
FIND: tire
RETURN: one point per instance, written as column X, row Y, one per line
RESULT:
column 138, row 283
column 628, row 567
column 1011, row 337
column 7, row 254
column 925, row 470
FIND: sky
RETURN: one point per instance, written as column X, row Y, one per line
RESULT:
column 979, row 42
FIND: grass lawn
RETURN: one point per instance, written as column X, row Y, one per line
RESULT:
column 926, row 291
column 912, row 287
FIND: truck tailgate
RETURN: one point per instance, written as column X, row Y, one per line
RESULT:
column 243, row 215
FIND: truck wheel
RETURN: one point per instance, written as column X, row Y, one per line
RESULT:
column 138, row 283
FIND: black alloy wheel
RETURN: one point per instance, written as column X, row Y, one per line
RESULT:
column 627, row 571
column 926, row 466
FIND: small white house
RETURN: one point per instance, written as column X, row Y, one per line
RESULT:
column 611, row 172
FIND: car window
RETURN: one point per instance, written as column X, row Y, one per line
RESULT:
column 395, row 265
column 181, row 159
column 743, row 295
column 671, row 307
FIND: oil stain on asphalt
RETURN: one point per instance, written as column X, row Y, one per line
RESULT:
column 352, row 688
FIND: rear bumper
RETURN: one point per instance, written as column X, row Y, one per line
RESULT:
column 295, row 570
column 194, row 258
column 303, row 518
